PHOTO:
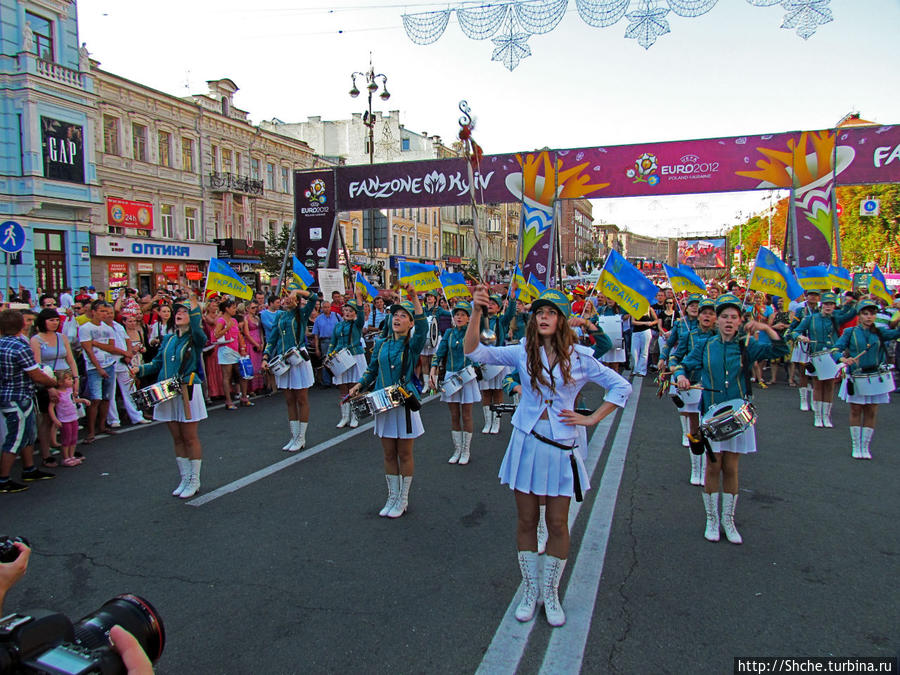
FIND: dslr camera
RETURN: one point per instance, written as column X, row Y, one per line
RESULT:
column 43, row 641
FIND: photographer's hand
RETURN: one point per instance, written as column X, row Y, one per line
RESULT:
column 130, row 650
column 11, row 572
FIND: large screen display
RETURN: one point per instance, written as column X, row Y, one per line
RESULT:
column 702, row 252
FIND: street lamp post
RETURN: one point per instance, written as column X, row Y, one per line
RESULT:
column 371, row 82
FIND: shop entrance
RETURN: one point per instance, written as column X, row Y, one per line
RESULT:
column 50, row 261
column 145, row 284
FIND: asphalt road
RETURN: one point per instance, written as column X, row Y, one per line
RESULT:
column 282, row 565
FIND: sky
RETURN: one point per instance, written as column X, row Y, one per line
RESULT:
column 732, row 71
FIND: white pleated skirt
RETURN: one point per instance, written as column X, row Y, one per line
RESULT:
column 173, row 410
column 470, row 393
column 861, row 399
column 298, row 377
column 613, row 356
column 539, row 468
column 495, row 382
column 800, row 353
column 353, row 374
column 392, row 424
column 743, row 444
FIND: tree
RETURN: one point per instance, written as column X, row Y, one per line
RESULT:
column 276, row 243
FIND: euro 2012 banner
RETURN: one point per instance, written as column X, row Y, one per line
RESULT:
column 810, row 162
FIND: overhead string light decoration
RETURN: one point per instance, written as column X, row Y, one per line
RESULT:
column 509, row 23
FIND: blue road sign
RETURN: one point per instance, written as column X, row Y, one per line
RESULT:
column 12, row 237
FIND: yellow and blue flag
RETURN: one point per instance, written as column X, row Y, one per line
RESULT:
column 362, row 285
column 771, row 275
column 535, row 286
column 878, row 286
column 301, row 275
column 523, row 290
column 423, row 277
column 840, row 278
column 222, row 279
column 683, row 279
column 813, row 278
column 624, row 283
column 454, row 285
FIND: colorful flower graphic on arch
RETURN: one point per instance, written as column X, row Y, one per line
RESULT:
column 809, row 167
column 644, row 170
column 541, row 182
column 316, row 192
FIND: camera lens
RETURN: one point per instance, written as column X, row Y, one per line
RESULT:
column 134, row 614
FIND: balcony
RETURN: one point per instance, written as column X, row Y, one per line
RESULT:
column 229, row 182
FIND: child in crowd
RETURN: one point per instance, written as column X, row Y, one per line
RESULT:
column 65, row 416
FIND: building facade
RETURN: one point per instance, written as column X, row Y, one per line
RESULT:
column 575, row 229
column 48, row 176
column 184, row 180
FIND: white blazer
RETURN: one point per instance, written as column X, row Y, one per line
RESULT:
column 584, row 368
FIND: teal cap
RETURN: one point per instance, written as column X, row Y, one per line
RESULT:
column 406, row 306
column 867, row 304
column 707, row 303
column 498, row 299
column 727, row 300
column 555, row 299
column 828, row 296
column 463, row 306
column 693, row 297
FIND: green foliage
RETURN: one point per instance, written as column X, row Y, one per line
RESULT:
column 275, row 247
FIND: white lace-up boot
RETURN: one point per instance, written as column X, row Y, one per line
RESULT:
column 804, row 399
column 466, row 445
column 457, row 446
column 865, row 440
column 184, row 468
column 354, row 420
column 402, row 502
column 685, row 429
column 711, row 503
column 826, row 415
column 729, row 501
column 817, row 413
column 295, row 430
column 488, row 419
column 393, row 485
column 495, row 423
column 299, row 441
column 856, row 443
column 345, row 415
column 193, row 486
column 696, row 469
column 553, row 570
column 531, row 594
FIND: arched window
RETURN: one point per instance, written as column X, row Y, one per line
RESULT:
column 225, row 105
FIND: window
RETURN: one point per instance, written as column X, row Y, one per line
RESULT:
column 285, row 180
column 139, row 141
column 270, row 176
column 165, row 139
column 112, row 229
column 402, row 245
column 404, row 145
column 426, row 216
column 42, row 29
column 215, row 157
column 254, row 169
column 190, row 223
column 167, row 221
column 110, row 135
column 257, row 231
column 435, row 248
column 226, row 160
column 395, row 243
column 419, row 247
column 355, row 238
column 187, row 154
column 426, row 248
column 273, row 225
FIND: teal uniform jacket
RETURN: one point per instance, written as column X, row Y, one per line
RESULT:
column 288, row 332
column 696, row 337
column 602, row 342
column 437, row 311
column 857, row 339
column 387, row 357
column 499, row 323
column 451, row 348
column 822, row 331
column 680, row 330
column 347, row 335
column 510, row 382
column 170, row 359
column 719, row 363
column 517, row 332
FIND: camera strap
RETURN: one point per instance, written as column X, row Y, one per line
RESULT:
column 403, row 381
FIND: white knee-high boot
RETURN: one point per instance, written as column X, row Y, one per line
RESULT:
column 553, row 570
column 542, row 533
column 804, row 399
column 488, row 419
column 703, row 469
column 729, row 501
column 817, row 413
column 685, row 430
column 193, row 486
column 184, row 468
column 295, row 430
column 531, row 594
column 354, row 420
column 826, row 415
column 696, row 469
column 457, row 446
column 466, row 440
column 711, row 504
column 402, row 502
column 856, row 443
column 495, row 423
column 345, row 415
column 299, row 441
column 393, row 485
column 865, row 440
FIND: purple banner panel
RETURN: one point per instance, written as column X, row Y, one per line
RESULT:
column 876, row 155
column 314, row 212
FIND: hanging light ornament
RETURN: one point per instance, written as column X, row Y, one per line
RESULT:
column 514, row 21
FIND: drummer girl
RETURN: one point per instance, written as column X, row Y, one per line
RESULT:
column 433, row 311
column 725, row 364
column 347, row 335
column 543, row 455
column 288, row 338
column 819, row 332
column 179, row 356
column 800, row 353
column 460, row 402
column 492, row 387
column 394, row 360
column 862, row 348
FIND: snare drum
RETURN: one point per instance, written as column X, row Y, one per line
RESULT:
column 292, row 357
column 874, row 384
column 826, row 368
column 456, row 381
column 434, row 333
column 340, row 361
column 728, row 419
column 149, row 397
column 279, row 366
column 380, row 400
